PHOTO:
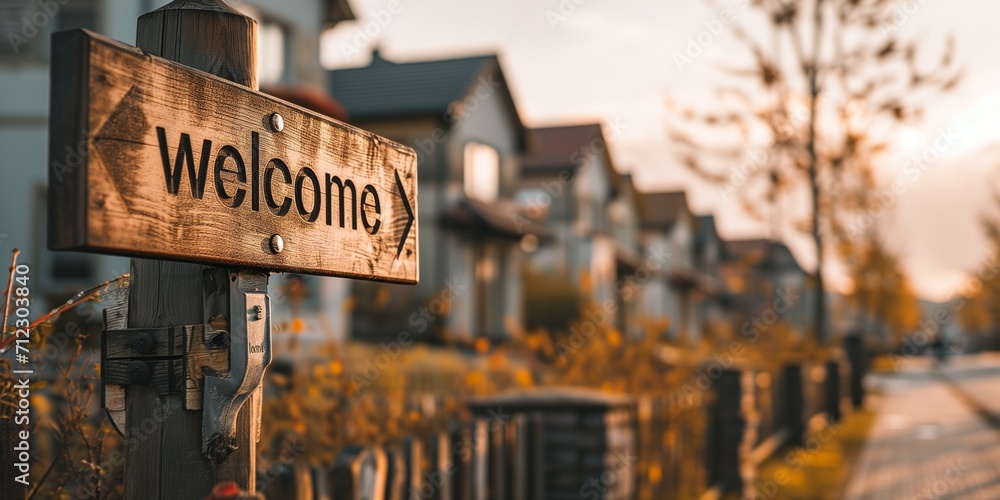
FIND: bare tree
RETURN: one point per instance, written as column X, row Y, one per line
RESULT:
column 828, row 80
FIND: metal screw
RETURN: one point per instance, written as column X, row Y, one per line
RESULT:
column 143, row 343
column 277, row 244
column 277, row 122
column 139, row 372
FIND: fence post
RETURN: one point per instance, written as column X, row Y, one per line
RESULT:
column 857, row 355
column 163, row 439
column 793, row 411
column 725, row 432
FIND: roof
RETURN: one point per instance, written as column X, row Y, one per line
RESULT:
column 557, row 148
column 310, row 99
column 760, row 251
column 661, row 210
column 385, row 89
column 477, row 217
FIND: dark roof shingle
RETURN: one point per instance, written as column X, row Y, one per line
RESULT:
column 385, row 89
column 661, row 210
column 559, row 147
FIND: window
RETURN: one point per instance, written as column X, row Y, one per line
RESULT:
column 272, row 53
column 26, row 25
column 273, row 48
column 534, row 202
column 482, row 172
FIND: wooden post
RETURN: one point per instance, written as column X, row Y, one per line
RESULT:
column 163, row 440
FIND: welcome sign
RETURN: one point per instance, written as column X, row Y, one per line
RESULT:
column 151, row 158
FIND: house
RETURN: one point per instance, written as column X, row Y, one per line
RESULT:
column 668, row 228
column 460, row 117
column 714, row 302
column 569, row 180
column 289, row 43
column 770, row 285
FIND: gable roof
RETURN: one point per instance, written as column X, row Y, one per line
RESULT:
column 385, row 89
column 390, row 90
column 553, row 150
column 661, row 210
column 556, row 148
column 762, row 252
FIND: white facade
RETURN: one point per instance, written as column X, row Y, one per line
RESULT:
column 665, row 303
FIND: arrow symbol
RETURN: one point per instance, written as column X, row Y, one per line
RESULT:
column 409, row 214
column 116, row 143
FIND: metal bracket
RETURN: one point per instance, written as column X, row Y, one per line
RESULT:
column 249, row 355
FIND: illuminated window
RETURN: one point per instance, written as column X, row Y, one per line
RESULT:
column 482, row 172
column 273, row 48
column 272, row 53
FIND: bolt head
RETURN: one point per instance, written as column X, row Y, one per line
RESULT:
column 277, row 243
column 143, row 343
column 139, row 372
column 277, row 122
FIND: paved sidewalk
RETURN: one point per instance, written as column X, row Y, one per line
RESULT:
column 929, row 441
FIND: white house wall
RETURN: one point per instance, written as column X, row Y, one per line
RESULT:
column 487, row 120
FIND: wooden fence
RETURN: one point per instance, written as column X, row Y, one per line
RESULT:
column 562, row 443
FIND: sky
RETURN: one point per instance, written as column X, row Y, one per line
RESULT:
column 616, row 61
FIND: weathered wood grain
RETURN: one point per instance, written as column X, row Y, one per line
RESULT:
column 120, row 344
column 113, row 395
column 206, row 353
column 125, row 114
column 164, row 456
column 166, row 375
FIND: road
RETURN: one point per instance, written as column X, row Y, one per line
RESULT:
column 937, row 434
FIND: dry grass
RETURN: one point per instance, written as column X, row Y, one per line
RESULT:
column 822, row 469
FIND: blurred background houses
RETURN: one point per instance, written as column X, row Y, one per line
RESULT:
column 544, row 263
column 521, row 226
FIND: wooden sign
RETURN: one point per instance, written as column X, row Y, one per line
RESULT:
column 150, row 158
